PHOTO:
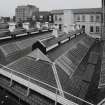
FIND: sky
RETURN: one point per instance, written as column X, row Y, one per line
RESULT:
column 7, row 7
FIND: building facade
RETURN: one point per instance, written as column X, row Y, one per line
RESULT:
column 88, row 19
column 58, row 18
column 45, row 16
column 25, row 13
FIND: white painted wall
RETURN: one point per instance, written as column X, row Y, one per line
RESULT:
column 69, row 19
column 88, row 23
column 58, row 16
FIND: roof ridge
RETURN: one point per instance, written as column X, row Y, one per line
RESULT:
column 39, row 55
column 57, row 79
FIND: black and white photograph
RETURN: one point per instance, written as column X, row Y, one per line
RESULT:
column 52, row 52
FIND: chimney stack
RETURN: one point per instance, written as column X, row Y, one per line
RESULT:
column 55, row 31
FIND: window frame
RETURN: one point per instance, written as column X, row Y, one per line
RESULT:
column 56, row 18
column 92, row 28
column 78, row 18
column 91, row 18
column 83, row 18
column 97, row 19
column 97, row 29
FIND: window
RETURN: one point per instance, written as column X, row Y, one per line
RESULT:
column 92, row 18
column 60, row 27
column 83, row 27
column 91, row 29
column 83, row 18
column 55, row 18
column 97, row 29
column 41, row 16
column 78, row 18
column 50, row 18
column 97, row 18
column 60, row 19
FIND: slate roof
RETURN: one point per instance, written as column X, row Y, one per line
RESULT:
column 57, row 52
column 9, row 52
column 79, row 11
column 12, row 51
column 49, row 42
column 87, row 10
column 68, row 57
column 102, row 73
column 89, row 70
column 37, row 69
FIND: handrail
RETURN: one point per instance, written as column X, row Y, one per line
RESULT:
column 71, row 95
column 102, row 102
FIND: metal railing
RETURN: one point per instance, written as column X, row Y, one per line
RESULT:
column 57, row 91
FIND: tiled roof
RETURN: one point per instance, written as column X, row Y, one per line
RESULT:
column 73, row 85
column 102, row 73
column 89, row 73
column 24, row 43
column 4, row 32
column 8, row 53
column 93, row 58
column 57, row 52
column 49, row 42
column 71, row 59
column 18, row 31
column 37, row 69
column 12, row 51
column 58, row 67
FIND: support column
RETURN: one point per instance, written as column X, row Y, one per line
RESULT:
column 28, row 89
column 11, row 81
column 103, row 20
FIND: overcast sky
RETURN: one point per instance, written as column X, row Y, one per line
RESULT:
column 7, row 7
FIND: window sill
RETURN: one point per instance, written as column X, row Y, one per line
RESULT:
column 95, row 33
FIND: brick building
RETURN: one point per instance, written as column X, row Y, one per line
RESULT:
column 25, row 13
